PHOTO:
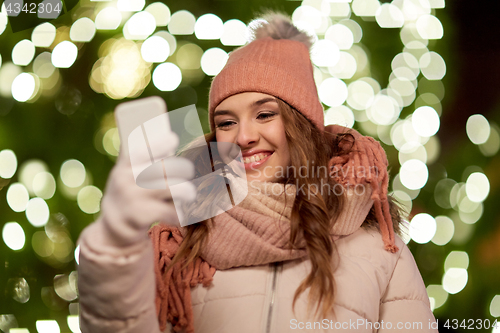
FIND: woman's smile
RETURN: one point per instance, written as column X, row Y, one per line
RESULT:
column 255, row 159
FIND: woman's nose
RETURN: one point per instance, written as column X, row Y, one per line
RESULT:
column 247, row 134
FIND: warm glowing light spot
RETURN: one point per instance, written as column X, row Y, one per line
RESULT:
column 357, row 32
column 77, row 255
column 495, row 306
column 42, row 66
column 64, row 54
column 8, row 163
column 405, row 74
column 189, row 56
column 37, row 212
column 383, row 110
column 64, row 287
column 412, row 150
column 29, row 170
column 425, row 121
column 429, row 27
column 406, row 60
column 172, row 42
column 439, row 295
column 478, row 129
column 436, row 3
column 13, row 236
column 44, row 185
column 160, row 12
column 47, row 326
column 167, row 77
column 404, row 199
column 445, row 228
column 456, row 259
column 389, row 16
column 477, row 187
column 454, row 280
column 339, row 10
column 325, row 53
column 414, row 174
column 155, row 49
column 23, row 87
column 492, row 145
column 43, row 35
column 130, row 5
column 234, row 33
column 339, row 115
column 341, row 35
column 23, row 52
column 422, row 228
column 17, row 197
column 432, row 66
column 365, row 7
column 213, row 61
column 361, row 95
column 332, row 92
column 89, row 199
column 3, row 21
column 208, row 26
column 108, row 18
column 72, row 173
column 111, row 141
column 345, row 68
column 74, row 323
column 140, row 26
column 182, row 23
column 83, row 30
column 403, row 86
column 307, row 15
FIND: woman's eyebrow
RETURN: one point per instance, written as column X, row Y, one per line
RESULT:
column 263, row 101
column 222, row 113
column 254, row 104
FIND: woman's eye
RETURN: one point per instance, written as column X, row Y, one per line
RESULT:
column 224, row 124
column 266, row 115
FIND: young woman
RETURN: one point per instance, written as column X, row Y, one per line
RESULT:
column 312, row 247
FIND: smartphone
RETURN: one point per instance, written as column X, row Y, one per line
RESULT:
column 146, row 139
column 130, row 115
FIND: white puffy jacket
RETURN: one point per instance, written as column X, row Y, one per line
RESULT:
column 376, row 291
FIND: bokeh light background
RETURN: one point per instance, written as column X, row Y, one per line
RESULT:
column 419, row 75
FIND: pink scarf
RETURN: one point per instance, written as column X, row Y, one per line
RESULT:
column 256, row 232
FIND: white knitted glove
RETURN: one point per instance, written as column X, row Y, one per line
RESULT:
column 127, row 210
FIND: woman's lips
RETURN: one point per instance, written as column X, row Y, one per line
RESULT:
column 256, row 164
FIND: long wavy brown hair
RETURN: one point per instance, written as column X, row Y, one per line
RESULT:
column 314, row 211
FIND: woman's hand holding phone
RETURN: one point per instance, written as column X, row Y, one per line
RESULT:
column 128, row 210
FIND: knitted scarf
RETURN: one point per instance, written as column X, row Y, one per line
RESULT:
column 257, row 231
column 366, row 163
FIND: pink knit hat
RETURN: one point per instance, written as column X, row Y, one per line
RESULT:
column 277, row 63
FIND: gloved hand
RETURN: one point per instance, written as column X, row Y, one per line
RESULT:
column 127, row 210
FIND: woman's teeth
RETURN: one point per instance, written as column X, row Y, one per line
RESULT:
column 254, row 158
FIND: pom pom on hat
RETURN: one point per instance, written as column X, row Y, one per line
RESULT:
column 279, row 26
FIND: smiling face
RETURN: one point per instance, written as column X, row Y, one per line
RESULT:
column 253, row 121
